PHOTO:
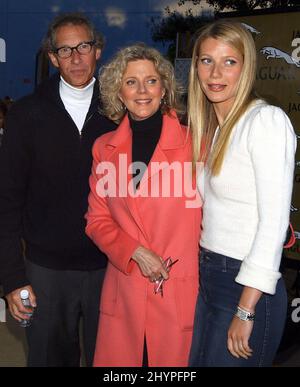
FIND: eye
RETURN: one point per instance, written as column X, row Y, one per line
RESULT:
column 230, row 62
column 152, row 81
column 205, row 61
column 83, row 46
column 130, row 82
column 64, row 49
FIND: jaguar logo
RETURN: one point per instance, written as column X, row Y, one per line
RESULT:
column 276, row 53
column 251, row 29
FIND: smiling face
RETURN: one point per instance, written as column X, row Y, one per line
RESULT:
column 77, row 70
column 141, row 90
column 219, row 69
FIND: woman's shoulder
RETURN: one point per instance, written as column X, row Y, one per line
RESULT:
column 100, row 143
column 261, row 109
column 178, row 125
column 266, row 121
column 104, row 139
column 263, row 116
column 186, row 134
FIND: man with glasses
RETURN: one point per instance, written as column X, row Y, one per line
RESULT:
column 45, row 163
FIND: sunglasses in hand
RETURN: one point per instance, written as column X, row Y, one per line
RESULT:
column 158, row 287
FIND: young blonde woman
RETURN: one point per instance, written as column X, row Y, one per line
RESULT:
column 247, row 148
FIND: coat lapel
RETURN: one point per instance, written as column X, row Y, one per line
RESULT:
column 172, row 138
column 119, row 152
column 119, row 148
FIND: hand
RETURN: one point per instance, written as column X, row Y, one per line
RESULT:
column 150, row 264
column 238, row 338
column 16, row 308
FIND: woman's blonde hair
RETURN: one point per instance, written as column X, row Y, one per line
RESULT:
column 202, row 119
column 110, row 80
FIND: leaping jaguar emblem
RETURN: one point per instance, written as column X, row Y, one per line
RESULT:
column 251, row 29
column 276, row 53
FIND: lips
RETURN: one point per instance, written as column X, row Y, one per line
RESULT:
column 216, row 87
column 78, row 71
column 143, row 101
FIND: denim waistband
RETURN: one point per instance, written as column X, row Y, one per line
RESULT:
column 219, row 260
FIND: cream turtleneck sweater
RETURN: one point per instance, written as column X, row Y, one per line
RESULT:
column 76, row 101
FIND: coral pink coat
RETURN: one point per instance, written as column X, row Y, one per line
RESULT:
column 129, row 309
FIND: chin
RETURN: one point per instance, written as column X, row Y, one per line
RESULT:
column 145, row 115
column 80, row 83
column 215, row 99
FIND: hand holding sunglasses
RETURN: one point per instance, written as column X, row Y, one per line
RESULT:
column 158, row 287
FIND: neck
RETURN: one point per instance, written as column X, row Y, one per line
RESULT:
column 75, row 92
column 222, row 109
column 150, row 123
column 76, row 101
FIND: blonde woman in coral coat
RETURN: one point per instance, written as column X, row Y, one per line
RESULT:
column 139, row 223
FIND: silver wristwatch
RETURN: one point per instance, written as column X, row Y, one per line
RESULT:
column 244, row 314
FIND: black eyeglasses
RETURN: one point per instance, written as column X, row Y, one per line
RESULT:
column 82, row 48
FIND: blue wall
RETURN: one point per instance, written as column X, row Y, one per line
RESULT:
column 23, row 24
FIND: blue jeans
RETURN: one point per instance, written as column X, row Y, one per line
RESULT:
column 218, row 298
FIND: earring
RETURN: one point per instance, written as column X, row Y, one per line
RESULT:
column 122, row 107
column 163, row 101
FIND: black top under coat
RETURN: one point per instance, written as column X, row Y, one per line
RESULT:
column 145, row 136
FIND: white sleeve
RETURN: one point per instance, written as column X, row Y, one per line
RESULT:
column 272, row 145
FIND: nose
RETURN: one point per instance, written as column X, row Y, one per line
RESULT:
column 216, row 71
column 141, row 88
column 75, row 56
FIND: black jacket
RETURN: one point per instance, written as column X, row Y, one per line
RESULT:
column 44, row 169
